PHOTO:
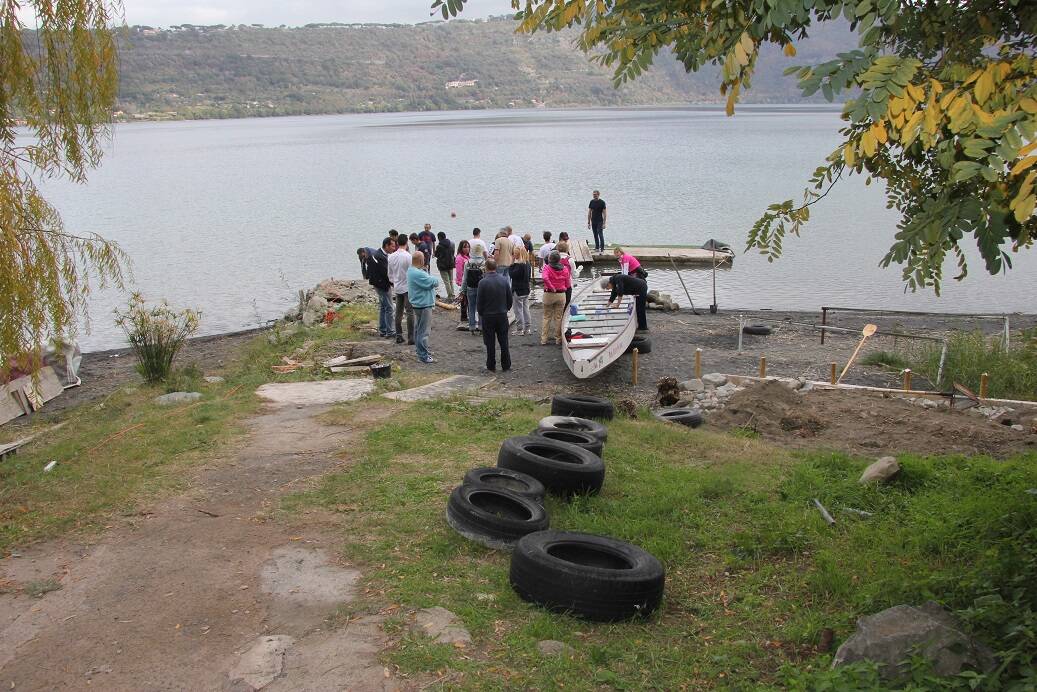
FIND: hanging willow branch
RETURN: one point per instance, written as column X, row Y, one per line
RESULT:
column 59, row 81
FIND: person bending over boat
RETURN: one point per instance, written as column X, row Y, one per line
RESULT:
column 625, row 285
column 628, row 264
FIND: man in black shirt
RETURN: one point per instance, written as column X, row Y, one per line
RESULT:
column 626, row 285
column 596, row 220
column 376, row 271
column 493, row 303
column 445, row 263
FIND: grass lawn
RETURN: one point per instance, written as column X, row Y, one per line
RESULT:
column 111, row 453
column 753, row 573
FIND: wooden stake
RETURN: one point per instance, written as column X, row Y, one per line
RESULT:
column 698, row 363
column 984, row 380
column 763, row 367
column 833, row 378
column 635, row 365
column 907, row 379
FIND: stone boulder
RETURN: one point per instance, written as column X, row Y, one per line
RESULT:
column 880, row 471
column 893, row 636
column 692, row 386
column 174, row 398
column 316, row 308
column 443, row 626
column 714, row 379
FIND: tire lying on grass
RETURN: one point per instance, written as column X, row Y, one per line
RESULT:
column 573, row 437
column 642, row 343
column 563, row 468
column 505, row 479
column 756, row 329
column 593, row 577
column 690, row 417
column 582, row 405
column 586, row 425
column 494, row 518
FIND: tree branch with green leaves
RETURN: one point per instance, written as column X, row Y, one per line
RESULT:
column 940, row 105
column 58, row 83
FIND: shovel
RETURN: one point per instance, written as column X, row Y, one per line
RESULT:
column 868, row 330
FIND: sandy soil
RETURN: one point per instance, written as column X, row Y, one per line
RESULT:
column 869, row 425
column 184, row 595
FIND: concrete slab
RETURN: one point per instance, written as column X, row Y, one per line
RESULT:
column 443, row 389
column 320, row 393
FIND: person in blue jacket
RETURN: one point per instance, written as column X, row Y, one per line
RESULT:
column 421, row 287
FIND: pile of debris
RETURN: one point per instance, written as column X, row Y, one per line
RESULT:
column 329, row 296
column 712, row 392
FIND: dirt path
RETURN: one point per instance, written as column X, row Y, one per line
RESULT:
column 206, row 590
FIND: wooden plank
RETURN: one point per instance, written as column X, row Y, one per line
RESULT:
column 339, row 361
column 580, row 251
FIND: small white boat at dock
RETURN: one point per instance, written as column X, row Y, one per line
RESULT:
column 598, row 335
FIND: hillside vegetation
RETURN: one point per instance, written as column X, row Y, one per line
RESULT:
column 218, row 71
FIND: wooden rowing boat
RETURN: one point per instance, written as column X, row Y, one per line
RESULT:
column 607, row 331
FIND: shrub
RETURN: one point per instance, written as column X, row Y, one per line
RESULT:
column 156, row 335
column 1013, row 371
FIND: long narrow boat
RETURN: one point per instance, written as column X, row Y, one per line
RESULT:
column 606, row 332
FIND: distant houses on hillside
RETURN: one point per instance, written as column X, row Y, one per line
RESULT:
column 459, row 83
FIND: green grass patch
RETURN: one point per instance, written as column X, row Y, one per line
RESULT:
column 1013, row 371
column 113, row 452
column 886, row 359
column 753, row 573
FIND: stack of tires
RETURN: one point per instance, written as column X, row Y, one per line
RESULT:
column 594, row 577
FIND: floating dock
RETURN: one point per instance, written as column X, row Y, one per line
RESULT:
column 682, row 256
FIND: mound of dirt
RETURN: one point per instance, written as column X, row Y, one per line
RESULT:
column 866, row 424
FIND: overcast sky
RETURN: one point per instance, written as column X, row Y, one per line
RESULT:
column 293, row 12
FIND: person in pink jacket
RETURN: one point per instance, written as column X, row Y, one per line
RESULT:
column 628, row 264
column 557, row 278
column 463, row 251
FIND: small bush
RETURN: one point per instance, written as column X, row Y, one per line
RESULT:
column 1013, row 371
column 156, row 335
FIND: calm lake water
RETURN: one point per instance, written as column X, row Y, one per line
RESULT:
column 234, row 216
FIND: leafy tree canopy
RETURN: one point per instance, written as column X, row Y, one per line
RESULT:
column 59, row 82
column 940, row 104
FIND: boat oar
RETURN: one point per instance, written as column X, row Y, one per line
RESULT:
column 678, row 272
column 868, row 330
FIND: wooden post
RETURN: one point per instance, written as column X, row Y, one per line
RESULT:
column 984, row 380
column 907, row 379
column 635, row 365
column 824, row 322
column 834, row 377
column 698, row 363
column 763, row 367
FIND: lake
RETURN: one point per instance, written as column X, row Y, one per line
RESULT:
column 234, row 216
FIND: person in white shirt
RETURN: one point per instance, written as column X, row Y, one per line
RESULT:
column 514, row 237
column 546, row 248
column 399, row 262
column 476, row 240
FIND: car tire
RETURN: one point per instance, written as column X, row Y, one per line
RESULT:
column 505, row 479
column 592, row 577
column 573, row 437
column 642, row 343
column 563, row 468
column 756, row 329
column 690, row 417
column 494, row 518
column 586, row 425
column 582, row 405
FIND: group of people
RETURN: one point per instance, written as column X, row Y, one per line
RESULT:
column 489, row 280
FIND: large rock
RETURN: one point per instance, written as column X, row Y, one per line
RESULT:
column 174, row 398
column 715, row 379
column 893, row 636
column 443, row 626
column 880, row 471
column 692, row 386
column 316, row 308
column 262, row 663
column 727, row 390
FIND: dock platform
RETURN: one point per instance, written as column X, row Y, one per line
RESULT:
column 682, row 256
